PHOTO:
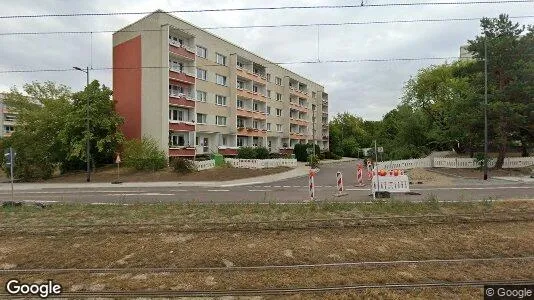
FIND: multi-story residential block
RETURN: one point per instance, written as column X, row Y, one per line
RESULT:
column 196, row 93
column 7, row 118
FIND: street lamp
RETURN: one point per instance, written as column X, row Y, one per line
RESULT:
column 88, row 146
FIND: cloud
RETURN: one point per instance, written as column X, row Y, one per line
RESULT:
column 368, row 89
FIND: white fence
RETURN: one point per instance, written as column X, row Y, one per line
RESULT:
column 406, row 164
column 392, row 184
column 449, row 162
column 204, row 165
column 261, row 163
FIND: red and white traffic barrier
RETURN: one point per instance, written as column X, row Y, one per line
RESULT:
column 311, row 184
column 359, row 175
column 339, row 181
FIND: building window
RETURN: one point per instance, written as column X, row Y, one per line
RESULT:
column 268, row 111
column 268, row 77
column 224, row 141
column 255, row 88
column 278, row 112
column 219, row 120
column 201, row 118
column 240, row 65
column 176, row 115
column 313, row 94
column 220, row 100
column 240, row 84
column 201, row 96
column 269, row 94
column 175, row 90
column 279, row 127
column 221, row 79
column 240, row 141
column 8, row 128
column 202, row 52
column 255, row 106
column 240, row 122
column 178, row 140
column 240, row 103
column 268, row 126
column 255, row 124
column 221, row 59
column 202, row 74
column 278, row 97
column 278, row 80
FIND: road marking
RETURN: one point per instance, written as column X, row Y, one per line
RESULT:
column 39, row 201
column 287, row 186
column 259, row 190
column 356, row 189
column 178, row 190
column 239, row 184
column 477, row 188
column 143, row 194
column 218, row 190
column 296, row 186
column 266, row 186
column 68, row 192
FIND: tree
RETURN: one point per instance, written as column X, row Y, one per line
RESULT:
column 50, row 131
column 510, row 79
column 104, row 134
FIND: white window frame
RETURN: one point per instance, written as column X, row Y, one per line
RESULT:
column 268, row 126
column 278, row 81
column 240, row 121
column 268, row 110
column 278, row 97
column 222, row 78
column 220, row 59
column 220, row 120
column 203, row 119
column 279, row 128
column 205, row 74
column 242, row 103
column 202, row 49
column 202, row 98
column 278, row 112
column 220, row 100
column 268, row 76
column 240, row 141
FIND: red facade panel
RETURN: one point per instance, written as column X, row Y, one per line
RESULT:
column 127, row 85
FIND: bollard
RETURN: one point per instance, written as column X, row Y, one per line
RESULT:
column 339, row 181
column 311, row 184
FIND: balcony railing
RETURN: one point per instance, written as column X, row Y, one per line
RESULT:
column 186, row 95
column 176, row 44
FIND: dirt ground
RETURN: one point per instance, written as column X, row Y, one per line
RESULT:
column 109, row 174
column 226, row 249
column 428, row 177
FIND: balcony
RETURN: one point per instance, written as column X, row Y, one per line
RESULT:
column 181, row 76
column 181, row 126
column 247, row 131
column 298, row 93
column 298, row 107
column 296, row 136
column 228, row 151
column 181, row 151
column 299, row 122
column 256, row 77
column 250, row 114
column 181, row 50
column 182, row 100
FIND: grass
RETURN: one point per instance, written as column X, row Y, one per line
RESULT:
column 61, row 214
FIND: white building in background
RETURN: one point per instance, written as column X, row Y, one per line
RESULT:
column 7, row 118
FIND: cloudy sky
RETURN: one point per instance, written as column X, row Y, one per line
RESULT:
column 368, row 89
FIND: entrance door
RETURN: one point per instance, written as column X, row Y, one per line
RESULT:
column 206, row 146
column 270, row 145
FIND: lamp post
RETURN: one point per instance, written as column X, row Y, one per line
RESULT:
column 88, row 146
column 485, row 107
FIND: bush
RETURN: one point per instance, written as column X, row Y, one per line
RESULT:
column 331, row 155
column 144, row 155
column 276, row 155
column 262, row 153
column 246, row 153
column 202, row 157
column 182, row 165
column 301, row 151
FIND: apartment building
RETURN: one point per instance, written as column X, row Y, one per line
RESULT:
column 196, row 93
column 7, row 118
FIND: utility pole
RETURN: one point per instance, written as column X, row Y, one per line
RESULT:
column 377, row 176
column 88, row 144
column 313, row 130
column 485, row 107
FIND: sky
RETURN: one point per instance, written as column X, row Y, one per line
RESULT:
column 367, row 89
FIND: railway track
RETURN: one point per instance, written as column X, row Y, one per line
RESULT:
column 283, row 291
column 265, row 267
column 297, row 224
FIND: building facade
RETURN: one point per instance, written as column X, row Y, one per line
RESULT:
column 196, row 93
column 7, row 118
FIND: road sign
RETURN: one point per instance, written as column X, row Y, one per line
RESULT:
column 118, row 159
column 380, row 149
column 9, row 156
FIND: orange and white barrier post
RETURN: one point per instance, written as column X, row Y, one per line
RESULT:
column 311, row 184
column 359, row 175
column 340, row 189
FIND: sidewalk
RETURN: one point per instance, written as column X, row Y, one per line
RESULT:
column 524, row 179
column 300, row 170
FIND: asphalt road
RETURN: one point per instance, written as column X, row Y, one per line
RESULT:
column 292, row 190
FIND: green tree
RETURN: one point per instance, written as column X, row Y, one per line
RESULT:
column 510, row 79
